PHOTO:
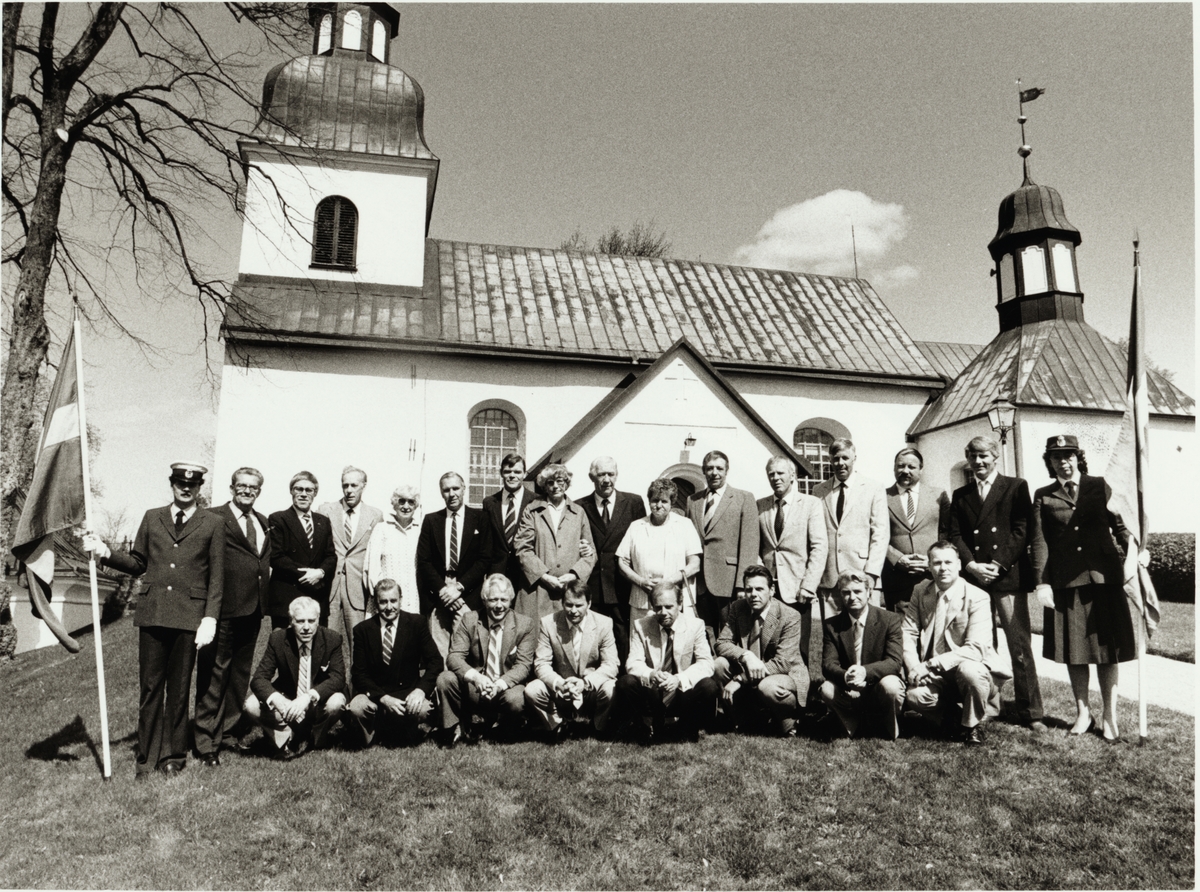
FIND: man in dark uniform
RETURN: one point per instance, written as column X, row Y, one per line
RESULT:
column 303, row 556
column 181, row 552
column 223, row 670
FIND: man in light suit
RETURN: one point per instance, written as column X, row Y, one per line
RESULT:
column 223, row 670
column 856, row 524
column 395, row 668
column 792, row 542
column 989, row 522
column 863, row 655
column 948, row 654
column 181, row 552
column 669, row 670
column 917, row 517
column 575, row 664
column 302, row 553
column 491, row 657
column 299, row 688
column 727, row 521
column 610, row 513
column 455, row 551
column 758, row 660
column 352, row 523
column 505, row 507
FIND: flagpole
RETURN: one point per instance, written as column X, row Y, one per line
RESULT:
column 87, row 522
column 1140, row 450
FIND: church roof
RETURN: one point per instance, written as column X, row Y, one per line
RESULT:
column 1055, row 364
column 948, row 359
column 512, row 299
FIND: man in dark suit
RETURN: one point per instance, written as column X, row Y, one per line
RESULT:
column 988, row 525
column 610, row 513
column 181, row 552
column 505, row 509
column 491, row 658
column 454, row 553
column 299, row 689
column 223, row 670
column 758, row 664
column 727, row 521
column 864, row 652
column 917, row 516
column 302, row 554
column 395, row 668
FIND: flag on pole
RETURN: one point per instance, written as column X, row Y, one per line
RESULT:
column 55, row 500
column 1032, row 93
column 1129, row 465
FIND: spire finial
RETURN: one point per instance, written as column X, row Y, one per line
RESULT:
column 1137, row 259
column 1025, row 150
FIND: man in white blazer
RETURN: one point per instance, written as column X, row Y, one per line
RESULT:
column 669, row 671
column 352, row 522
column 856, row 524
column 575, row 664
column 948, row 654
column 917, row 517
column 792, row 542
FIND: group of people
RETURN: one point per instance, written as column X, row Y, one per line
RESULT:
column 598, row 616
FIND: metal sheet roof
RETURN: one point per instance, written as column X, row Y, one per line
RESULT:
column 1058, row 363
column 948, row 359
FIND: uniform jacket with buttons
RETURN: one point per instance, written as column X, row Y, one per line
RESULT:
column 183, row 576
column 1073, row 542
column 247, row 570
column 994, row 530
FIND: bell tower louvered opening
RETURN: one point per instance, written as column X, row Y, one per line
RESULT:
column 335, row 234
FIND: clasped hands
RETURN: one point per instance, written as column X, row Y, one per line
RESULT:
column 291, row 711
column 310, row 575
column 663, row 681
column 985, row 573
column 913, row 564
column 488, row 689
column 409, row 705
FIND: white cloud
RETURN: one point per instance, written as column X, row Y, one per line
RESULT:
column 813, row 236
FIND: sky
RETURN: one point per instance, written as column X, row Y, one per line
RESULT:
column 756, row 135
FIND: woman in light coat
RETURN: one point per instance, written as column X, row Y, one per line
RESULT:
column 554, row 545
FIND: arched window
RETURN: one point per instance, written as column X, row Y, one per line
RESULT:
column 352, row 30
column 378, row 40
column 494, row 434
column 325, row 34
column 335, row 233
column 812, row 444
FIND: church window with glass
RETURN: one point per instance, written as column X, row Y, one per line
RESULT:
column 494, row 434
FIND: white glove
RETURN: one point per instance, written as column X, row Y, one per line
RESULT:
column 206, row 632
column 1144, row 558
column 94, row 544
column 1045, row 594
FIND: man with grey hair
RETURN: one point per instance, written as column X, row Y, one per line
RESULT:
column 392, row 549
column 352, row 522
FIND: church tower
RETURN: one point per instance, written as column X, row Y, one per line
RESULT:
column 339, row 180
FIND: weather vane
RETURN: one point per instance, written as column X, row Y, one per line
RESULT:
column 1025, row 150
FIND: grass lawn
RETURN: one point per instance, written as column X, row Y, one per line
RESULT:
column 728, row 813
column 1175, row 636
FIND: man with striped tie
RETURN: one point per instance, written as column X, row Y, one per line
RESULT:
column 505, row 508
column 352, row 521
column 298, row 690
column 917, row 515
column 394, row 669
column 303, row 558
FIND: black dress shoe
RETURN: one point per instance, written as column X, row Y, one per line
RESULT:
column 212, row 760
column 974, row 737
column 171, row 770
column 448, row 737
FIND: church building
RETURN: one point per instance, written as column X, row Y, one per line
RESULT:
column 358, row 339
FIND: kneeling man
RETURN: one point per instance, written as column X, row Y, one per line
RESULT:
column 669, row 669
column 864, row 650
column 758, row 660
column 490, row 658
column 394, row 670
column 576, row 664
column 948, row 653
column 298, row 690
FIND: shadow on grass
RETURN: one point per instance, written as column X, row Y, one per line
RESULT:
column 56, row 747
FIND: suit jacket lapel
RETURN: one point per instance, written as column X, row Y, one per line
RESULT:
column 896, row 504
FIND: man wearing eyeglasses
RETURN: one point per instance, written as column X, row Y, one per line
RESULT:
column 302, row 553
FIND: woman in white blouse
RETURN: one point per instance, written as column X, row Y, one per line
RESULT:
column 392, row 549
column 661, row 547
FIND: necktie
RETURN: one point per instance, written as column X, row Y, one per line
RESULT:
column 858, row 642
column 308, row 528
column 1072, row 486
column 841, row 503
column 604, row 515
column 669, row 652
column 305, row 673
column 708, row 509
column 178, row 524
column 251, row 533
column 576, row 640
column 452, row 560
column 495, row 640
column 349, row 525
column 912, row 510
column 778, row 519
column 983, row 490
column 510, row 518
column 756, row 637
column 939, row 628
column 389, row 636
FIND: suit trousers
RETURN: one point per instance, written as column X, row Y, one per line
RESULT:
column 777, row 696
column 708, row 608
column 370, row 719
column 461, row 703
column 878, row 704
column 343, row 617
column 694, row 708
column 1013, row 609
column 550, row 709
column 223, row 678
column 619, row 614
column 970, row 682
column 316, row 724
column 165, row 661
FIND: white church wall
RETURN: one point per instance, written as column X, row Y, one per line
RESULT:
column 391, row 221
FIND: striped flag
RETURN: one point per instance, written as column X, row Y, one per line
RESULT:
column 1129, row 465
column 55, row 500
